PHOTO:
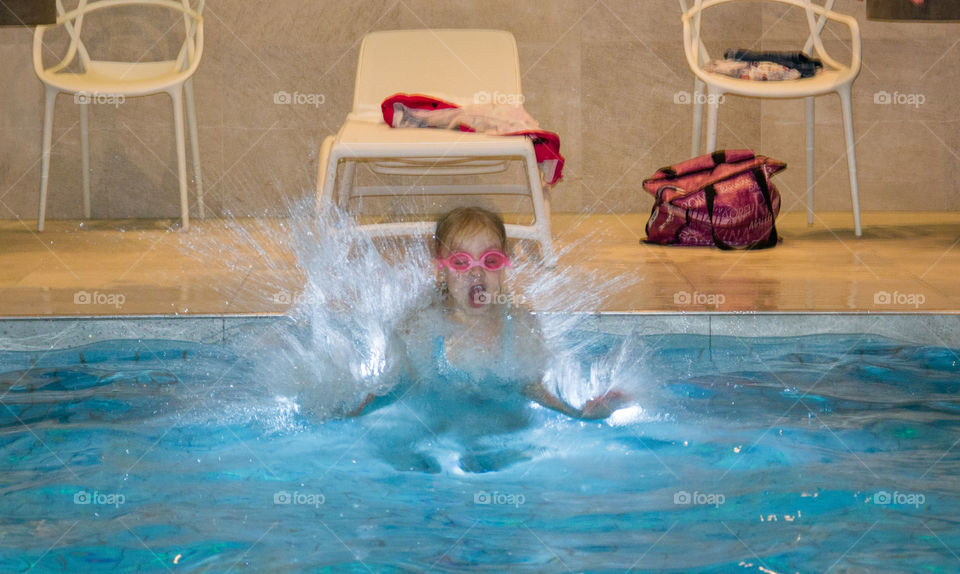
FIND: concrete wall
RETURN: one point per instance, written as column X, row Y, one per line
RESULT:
column 608, row 76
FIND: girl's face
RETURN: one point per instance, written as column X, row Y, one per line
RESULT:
column 473, row 290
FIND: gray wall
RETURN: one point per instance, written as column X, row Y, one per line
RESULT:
column 603, row 74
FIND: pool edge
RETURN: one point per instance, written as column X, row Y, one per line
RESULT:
column 40, row 333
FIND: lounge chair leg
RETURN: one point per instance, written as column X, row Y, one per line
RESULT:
column 324, row 187
column 347, row 183
column 541, row 208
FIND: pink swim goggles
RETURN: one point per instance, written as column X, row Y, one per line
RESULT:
column 492, row 260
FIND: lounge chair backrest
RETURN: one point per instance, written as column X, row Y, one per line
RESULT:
column 465, row 65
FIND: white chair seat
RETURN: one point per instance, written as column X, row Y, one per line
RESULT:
column 126, row 78
column 825, row 82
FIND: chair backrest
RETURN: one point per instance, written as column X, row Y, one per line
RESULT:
column 72, row 21
column 817, row 16
column 465, row 65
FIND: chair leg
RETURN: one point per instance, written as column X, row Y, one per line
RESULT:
column 847, row 107
column 85, row 155
column 541, row 208
column 49, row 103
column 546, row 234
column 713, row 106
column 324, row 187
column 811, row 126
column 697, row 104
column 347, row 183
column 177, row 96
column 194, row 143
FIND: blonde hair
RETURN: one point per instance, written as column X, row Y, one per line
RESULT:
column 463, row 221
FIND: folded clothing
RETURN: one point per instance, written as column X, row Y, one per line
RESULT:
column 762, row 71
column 422, row 111
column 807, row 66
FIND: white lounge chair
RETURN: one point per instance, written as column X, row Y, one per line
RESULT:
column 461, row 66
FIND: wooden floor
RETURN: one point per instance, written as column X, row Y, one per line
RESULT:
column 905, row 262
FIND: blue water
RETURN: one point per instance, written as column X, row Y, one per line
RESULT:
column 811, row 454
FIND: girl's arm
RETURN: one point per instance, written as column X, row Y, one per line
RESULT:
column 540, row 395
column 531, row 346
column 594, row 409
column 402, row 372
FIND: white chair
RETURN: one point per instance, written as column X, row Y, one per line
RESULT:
column 462, row 66
column 101, row 80
column 835, row 77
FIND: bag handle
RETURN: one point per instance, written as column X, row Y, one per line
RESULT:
column 760, row 175
column 704, row 162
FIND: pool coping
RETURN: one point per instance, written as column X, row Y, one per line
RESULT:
column 57, row 332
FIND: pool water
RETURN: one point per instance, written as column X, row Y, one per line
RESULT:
column 809, row 454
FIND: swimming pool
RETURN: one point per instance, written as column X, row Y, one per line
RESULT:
column 804, row 454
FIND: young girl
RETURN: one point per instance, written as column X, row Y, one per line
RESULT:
column 473, row 344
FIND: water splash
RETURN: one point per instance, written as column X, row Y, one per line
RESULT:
column 357, row 287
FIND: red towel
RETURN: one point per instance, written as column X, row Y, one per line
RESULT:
column 546, row 145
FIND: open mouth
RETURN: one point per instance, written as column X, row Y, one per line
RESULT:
column 477, row 295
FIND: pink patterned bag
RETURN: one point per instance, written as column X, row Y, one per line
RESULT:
column 725, row 199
